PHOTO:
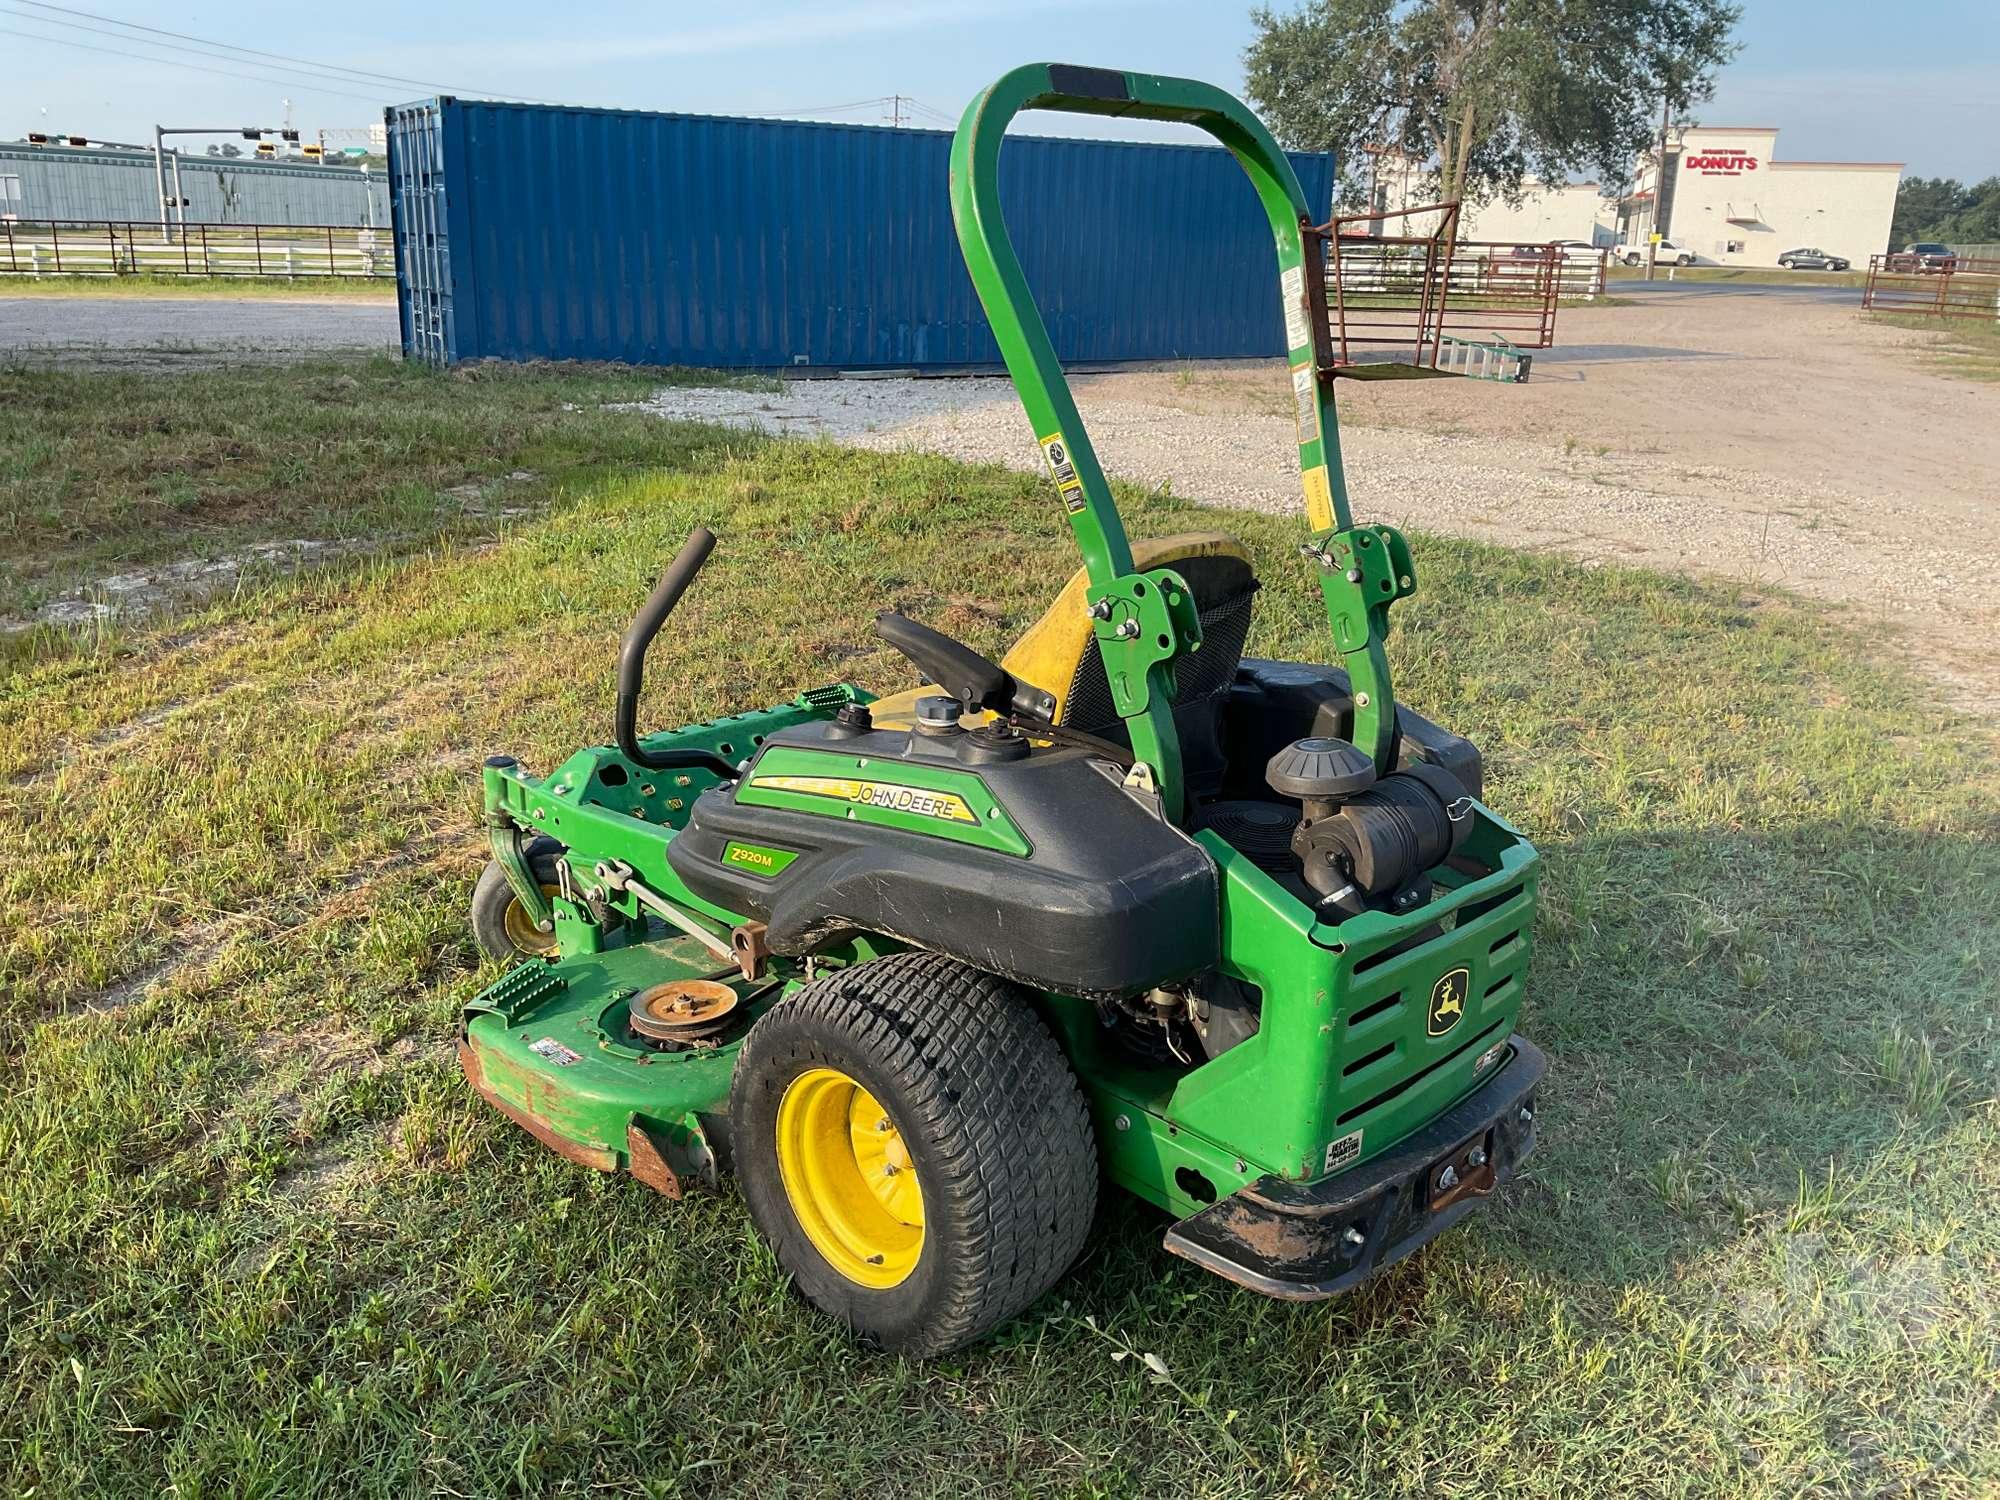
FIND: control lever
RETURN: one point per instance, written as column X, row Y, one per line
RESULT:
column 974, row 680
column 632, row 661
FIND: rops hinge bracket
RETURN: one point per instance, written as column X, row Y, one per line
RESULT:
column 1142, row 621
column 1363, row 571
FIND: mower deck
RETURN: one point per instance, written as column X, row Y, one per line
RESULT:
column 550, row 1046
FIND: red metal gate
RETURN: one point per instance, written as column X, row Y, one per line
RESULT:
column 1933, row 286
column 1405, row 297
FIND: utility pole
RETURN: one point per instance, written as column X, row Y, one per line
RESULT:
column 1659, row 191
column 161, row 132
column 160, row 180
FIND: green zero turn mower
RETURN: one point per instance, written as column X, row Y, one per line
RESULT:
column 1236, row 935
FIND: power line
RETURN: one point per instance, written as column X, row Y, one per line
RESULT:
column 824, row 109
column 359, row 73
column 63, row 41
column 306, row 78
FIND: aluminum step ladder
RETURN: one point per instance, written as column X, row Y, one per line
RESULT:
column 1483, row 359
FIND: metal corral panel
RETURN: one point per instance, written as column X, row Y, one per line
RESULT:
column 525, row 232
column 59, row 182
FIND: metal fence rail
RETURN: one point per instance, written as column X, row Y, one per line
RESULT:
column 1418, row 291
column 119, row 247
column 1961, row 287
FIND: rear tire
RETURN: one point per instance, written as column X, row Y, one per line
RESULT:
column 974, row 1101
column 500, row 924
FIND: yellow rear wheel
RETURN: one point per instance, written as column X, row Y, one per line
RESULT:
column 850, row 1179
column 913, row 1144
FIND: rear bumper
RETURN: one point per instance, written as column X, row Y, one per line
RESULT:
column 1308, row 1240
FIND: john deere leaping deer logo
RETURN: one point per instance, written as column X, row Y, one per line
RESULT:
column 1448, row 1000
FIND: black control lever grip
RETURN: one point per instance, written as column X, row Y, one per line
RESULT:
column 632, row 662
column 956, row 668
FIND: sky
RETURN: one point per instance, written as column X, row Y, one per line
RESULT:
column 1845, row 80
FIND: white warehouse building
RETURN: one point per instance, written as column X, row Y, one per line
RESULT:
column 1728, row 200
column 1733, row 203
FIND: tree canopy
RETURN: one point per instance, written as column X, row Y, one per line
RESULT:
column 1484, row 93
column 1946, row 210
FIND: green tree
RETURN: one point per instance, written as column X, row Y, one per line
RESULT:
column 1979, row 221
column 1485, row 92
column 1945, row 209
column 1922, row 206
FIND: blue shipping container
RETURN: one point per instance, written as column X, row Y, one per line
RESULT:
column 526, row 232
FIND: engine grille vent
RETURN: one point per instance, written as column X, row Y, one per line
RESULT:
column 1262, row 830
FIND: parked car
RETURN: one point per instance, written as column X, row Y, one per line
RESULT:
column 1924, row 255
column 1577, row 249
column 1811, row 260
column 1671, row 253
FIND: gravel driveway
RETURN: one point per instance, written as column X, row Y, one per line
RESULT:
column 1800, row 529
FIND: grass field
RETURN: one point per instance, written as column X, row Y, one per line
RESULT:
column 256, row 1236
column 1618, row 271
column 1966, row 347
column 344, row 288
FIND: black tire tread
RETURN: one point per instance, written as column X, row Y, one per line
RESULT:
column 995, row 1096
column 491, row 894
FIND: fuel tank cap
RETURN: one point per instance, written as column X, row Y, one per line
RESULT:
column 939, row 715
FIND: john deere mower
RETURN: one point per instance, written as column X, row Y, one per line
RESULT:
column 1237, row 936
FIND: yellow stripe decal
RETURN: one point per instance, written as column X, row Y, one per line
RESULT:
column 918, row 800
column 1319, row 499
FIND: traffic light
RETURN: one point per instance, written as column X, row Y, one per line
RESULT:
column 290, row 135
column 312, row 153
column 249, row 134
column 265, row 148
column 37, row 140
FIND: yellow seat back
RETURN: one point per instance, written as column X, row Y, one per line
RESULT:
column 1058, row 653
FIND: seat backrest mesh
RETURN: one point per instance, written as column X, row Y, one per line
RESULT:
column 1224, row 589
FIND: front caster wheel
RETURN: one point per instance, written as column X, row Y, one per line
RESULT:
column 914, row 1146
column 501, row 926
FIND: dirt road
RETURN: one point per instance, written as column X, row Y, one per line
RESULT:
column 1774, row 440
column 155, row 332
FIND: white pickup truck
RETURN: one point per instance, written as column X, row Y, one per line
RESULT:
column 1672, row 253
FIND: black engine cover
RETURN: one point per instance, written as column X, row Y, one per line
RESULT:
column 1110, row 900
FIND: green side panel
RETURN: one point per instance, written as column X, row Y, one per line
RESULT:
column 603, row 807
column 1345, row 1062
column 938, row 801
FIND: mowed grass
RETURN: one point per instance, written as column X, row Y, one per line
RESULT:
column 113, row 475
column 1965, row 347
column 151, row 284
column 1619, row 271
column 257, row 1237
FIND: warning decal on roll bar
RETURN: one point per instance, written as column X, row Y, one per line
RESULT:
column 1298, row 330
column 1056, row 451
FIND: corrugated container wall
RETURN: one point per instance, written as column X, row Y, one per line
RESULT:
column 57, row 182
column 525, row 232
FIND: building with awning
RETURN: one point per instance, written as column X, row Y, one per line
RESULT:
column 1728, row 198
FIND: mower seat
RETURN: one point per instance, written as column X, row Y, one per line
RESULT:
column 1059, row 651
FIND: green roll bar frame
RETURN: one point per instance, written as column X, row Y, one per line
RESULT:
column 1144, row 621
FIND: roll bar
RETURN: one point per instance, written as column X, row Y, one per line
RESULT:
column 1361, row 571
